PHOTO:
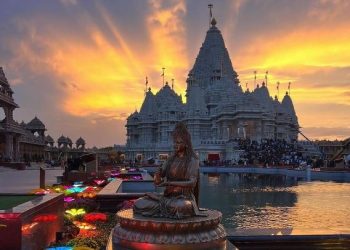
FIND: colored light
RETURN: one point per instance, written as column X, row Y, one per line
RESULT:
column 93, row 217
column 110, row 179
column 84, row 225
column 59, row 248
column 73, row 190
column 26, row 229
column 99, row 181
column 75, row 212
column 68, row 199
column 45, row 218
column 77, row 183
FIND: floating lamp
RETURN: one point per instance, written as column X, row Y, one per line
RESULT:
column 75, row 212
column 87, row 195
column 93, row 217
column 99, row 181
column 110, row 179
column 84, row 225
column 77, row 183
column 68, row 199
column 73, row 190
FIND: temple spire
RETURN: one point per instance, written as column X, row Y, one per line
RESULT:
column 289, row 87
column 210, row 6
column 146, row 83
column 172, row 83
column 255, row 77
column 266, row 73
column 163, row 70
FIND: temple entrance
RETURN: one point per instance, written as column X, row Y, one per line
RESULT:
column 213, row 158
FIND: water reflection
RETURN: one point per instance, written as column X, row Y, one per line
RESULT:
column 268, row 201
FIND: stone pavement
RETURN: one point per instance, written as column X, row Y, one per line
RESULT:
column 24, row 181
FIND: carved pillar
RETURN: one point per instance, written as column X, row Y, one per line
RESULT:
column 225, row 131
column 9, row 146
column 16, row 149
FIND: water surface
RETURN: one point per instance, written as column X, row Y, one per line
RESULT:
column 269, row 201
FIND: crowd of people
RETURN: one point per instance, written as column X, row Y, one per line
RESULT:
column 269, row 153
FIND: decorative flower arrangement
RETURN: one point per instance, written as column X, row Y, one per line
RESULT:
column 84, row 225
column 87, row 195
column 75, row 212
column 68, row 199
column 99, row 182
column 73, row 190
column 93, row 217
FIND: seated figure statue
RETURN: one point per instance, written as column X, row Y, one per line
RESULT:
column 179, row 175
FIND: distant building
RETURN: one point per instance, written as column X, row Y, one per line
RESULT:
column 27, row 141
column 217, row 110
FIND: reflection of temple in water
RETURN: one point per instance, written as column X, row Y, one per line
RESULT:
column 217, row 111
column 249, row 201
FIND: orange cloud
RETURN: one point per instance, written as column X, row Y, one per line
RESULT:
column 167, row 33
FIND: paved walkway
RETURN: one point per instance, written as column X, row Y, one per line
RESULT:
column 24, row 181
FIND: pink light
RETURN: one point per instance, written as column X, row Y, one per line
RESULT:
column 68, row 199
column 99, row 181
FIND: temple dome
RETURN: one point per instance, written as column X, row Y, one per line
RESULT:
column 167, row 99
column 49, row 139
column 262, row 95
column 149, row 105
column 62, row 140
column 35, row 124
column 80, row 141
column 69, row 141
column 288, row 106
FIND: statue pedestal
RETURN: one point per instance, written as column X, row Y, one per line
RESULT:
column 138, row 232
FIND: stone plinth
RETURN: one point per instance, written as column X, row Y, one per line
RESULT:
column 138, row 232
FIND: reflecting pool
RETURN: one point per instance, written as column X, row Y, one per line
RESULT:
column 268, row 201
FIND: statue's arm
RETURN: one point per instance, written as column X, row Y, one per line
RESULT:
column 160, row 174
column 193, row 176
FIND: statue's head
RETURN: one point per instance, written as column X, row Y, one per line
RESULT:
column 182, row 140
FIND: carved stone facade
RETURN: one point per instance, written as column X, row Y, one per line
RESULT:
column 217, row 110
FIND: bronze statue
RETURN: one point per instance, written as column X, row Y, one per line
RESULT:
column 180, row 176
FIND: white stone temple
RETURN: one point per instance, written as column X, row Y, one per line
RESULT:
column 217, row 111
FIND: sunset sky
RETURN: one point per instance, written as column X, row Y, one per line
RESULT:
column 80, row 65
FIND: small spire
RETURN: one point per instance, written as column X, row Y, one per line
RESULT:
column 255, row 77
column 289, row 87
column 266, row 73
column 172, row 83
column 210, row 6
column 163, row 74
column 213, row 22
column 146, row 84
